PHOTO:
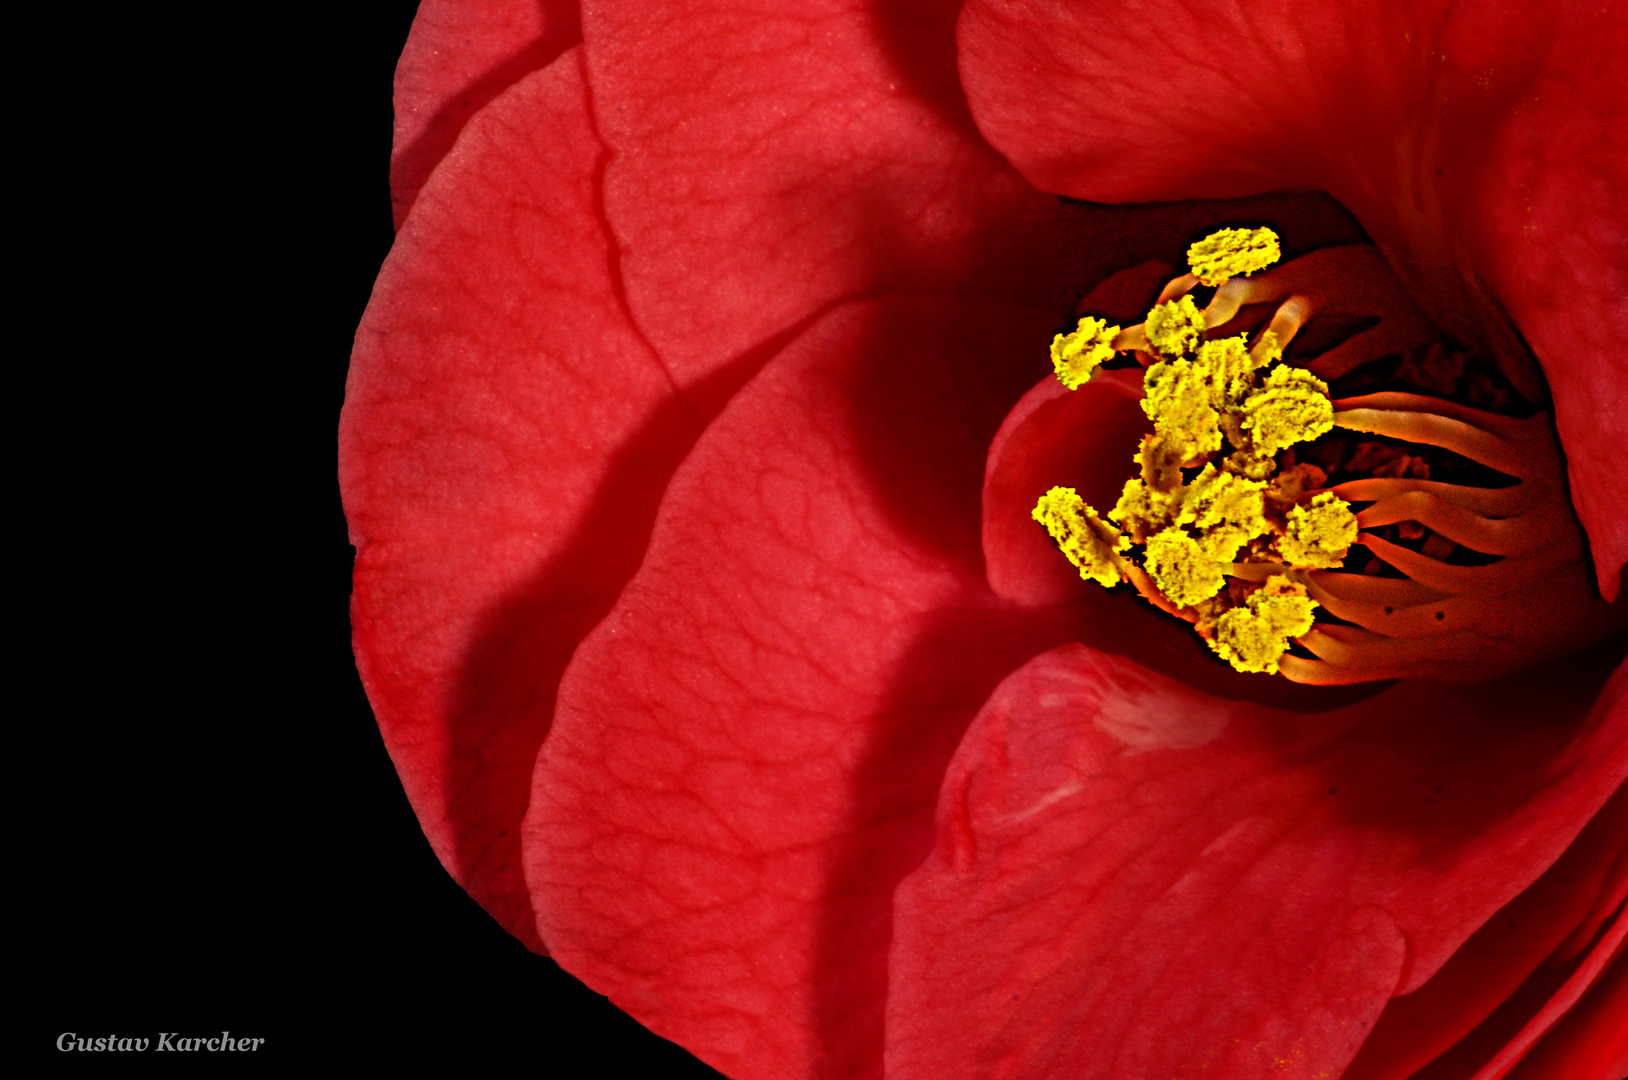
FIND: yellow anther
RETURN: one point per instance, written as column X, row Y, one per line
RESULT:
column 1077, row 355
column 1182, row 569
column 1254, row 638
column 1320, row 533
column 1249, row 464
column 1228, row 511
column 1087, row 540
column 1175, row 328
column 1143, row 510
column 1177, row 400
column 1229, row 369
column 1291, row 406
column 1160, row 458
column 1232, row 253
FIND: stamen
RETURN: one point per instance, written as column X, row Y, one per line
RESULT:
column 1175, row 328
column 1491, row 536
column 1089, row 542
column 1228, row 510
column 1348, row 650
column 1385, row 594
column 1441, row 616
column 1292, row 406
column 1201, row 396
column 1182, row 569
column 1076, row 356
column 1225, row 530
column 1535, row 601
column 1320, row 532
column 1442, row 576
column 1498, row 442
column 1231, row 252
column 1488, row 502
column 1255, row 638
column 1177, row 400
column 1339, row 282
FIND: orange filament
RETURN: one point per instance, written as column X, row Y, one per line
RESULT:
column 1341, row 282
column 1447, row 621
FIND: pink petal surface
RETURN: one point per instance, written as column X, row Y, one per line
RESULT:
column 1478, row 143
column 505, row 439
column 459, row 57
column 771, row 160
column 747, row 750
column 1133, row 879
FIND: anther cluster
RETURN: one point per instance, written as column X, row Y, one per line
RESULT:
column 1221, row 524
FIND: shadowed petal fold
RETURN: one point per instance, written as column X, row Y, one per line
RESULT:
column 748, row 748
column 770, row 160
column 505, row 438
column 459, row 57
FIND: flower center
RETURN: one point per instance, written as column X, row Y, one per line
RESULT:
column 1242, row 522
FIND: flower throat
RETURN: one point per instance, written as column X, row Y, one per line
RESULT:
column 1231, row 523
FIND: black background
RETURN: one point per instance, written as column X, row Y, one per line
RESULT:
column 225, row 843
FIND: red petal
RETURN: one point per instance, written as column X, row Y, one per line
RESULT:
column 1533, row 1019
column 506, row 436
column 747, row 750
column 772, row 160
column 1491, row 966
column 1544, row 227
column 1591, row 1041
column 1476, row 142
column 1133, row 879
column 459, row 57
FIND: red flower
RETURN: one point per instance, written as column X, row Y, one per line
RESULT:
column 664, row 451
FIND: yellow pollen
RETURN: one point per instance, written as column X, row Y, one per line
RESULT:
column 1228, row 511
column 1160, row 460
column 1235, row 528
column 1320, row 533
column 1254, row 638
column 1175, row 328
column 1077, row 355
column 1177, row 400
column 1232, row 253
column 1143, row 510
column 1082, row 536
column 1227, row 365
column 1248, row 463
column 1291, row 406
column 1182, row 569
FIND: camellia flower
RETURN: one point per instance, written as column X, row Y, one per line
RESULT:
column 690, row 449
